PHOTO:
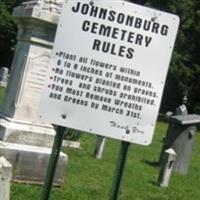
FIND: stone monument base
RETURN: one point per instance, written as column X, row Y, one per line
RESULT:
column 21, row 132
column 30, row 163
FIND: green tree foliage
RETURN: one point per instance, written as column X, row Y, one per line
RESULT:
column 184, row 73
column 7, row 34
column 7, row 31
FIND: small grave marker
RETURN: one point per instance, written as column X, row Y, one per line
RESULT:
column 3, row 76
column 5, row 178
column 169, row 158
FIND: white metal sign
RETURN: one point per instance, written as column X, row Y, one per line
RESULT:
column 108, row 68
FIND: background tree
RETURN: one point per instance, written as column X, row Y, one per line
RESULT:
column 7, row 31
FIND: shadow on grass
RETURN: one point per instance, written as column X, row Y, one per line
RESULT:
column 151, row 163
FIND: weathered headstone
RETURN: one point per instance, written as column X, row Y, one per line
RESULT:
column 181, row 137
column 180, row 110
column 3, row 76
column 20, row 122
column 5, row 178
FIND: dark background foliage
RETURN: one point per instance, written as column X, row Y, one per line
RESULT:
column 184, row 72
column 7, row 31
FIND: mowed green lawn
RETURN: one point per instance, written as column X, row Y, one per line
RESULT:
column 2, row 94
column 90, row 179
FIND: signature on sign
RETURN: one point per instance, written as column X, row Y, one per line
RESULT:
column 128, row 129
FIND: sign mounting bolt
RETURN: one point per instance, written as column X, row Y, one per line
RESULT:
column 91, row 3
column 64, row 116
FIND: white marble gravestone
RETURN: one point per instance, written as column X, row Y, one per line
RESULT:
column 3, row 76
column 20, row 122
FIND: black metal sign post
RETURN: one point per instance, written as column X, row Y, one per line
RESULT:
column 119, row 170
column 52, row 162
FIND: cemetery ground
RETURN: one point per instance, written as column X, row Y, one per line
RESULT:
column 89, row 179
